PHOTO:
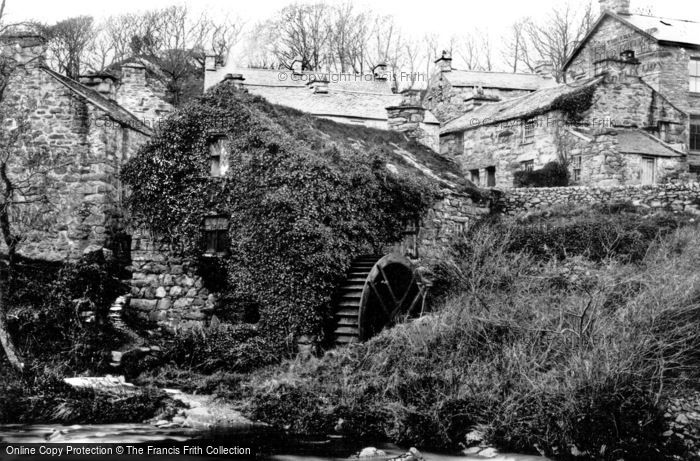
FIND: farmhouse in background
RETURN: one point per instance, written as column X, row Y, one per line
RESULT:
column 356, row 99
column 452, row 92
column 630, row 113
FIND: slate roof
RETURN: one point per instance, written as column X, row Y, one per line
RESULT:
column 639, row 142
column 664, row 30
column 349, row 95
column 111, row 108
column 514, row 108
column 500, row 80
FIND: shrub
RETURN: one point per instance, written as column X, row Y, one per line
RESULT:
column 552, row 174
column 45, row 300
column 229, row 348
column 557, row 367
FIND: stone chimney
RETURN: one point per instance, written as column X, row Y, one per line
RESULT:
column 133, row 73
column 620, row 69
column 544, row 69
column 380, row 71
column 24, row 48
column 615, row 6
column 102, row 82
column 478, row 99
column 297, row 65
column 213, row 63
column 444, row 62
column 236, row 80
column 319, row 86
column 408, row 115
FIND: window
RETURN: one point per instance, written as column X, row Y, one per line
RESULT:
column 527, row 165
column 576, row 163
column 218, row 156
column 694, row 133
column 528, row 130
column 491, row 176
column 694, row 74
column 648, row 170
column 216, row 235
column 504, row 137
column 474, row 176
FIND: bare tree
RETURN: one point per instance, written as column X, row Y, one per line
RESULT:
column 25, row 182
column 554, row 39
column 516, row 52
column 69, row 41
column 302, row 32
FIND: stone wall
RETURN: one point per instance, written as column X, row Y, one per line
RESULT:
column 449, row 217
column 80, row 149
column 165, row 287
column 674, row 197
column 141, row 96
column 664, row 67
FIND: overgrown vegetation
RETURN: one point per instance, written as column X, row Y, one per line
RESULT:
column 48, row 302
column 302, row 198
column 552, row 174
column 545, row 348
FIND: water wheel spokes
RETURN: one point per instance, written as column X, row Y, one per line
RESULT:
column 378, row 292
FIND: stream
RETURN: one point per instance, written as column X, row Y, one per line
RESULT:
column 267, row 446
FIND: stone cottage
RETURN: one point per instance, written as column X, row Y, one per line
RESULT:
column 452, row 92
column 86, row 130
column 668, row 51
column 629, row 114
column 612, row 129
column 365, row 99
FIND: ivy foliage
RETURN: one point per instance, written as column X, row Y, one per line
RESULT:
column 302, row 200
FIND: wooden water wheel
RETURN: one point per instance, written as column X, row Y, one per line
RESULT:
column 378, row 291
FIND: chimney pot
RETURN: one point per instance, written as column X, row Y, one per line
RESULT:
column 297, row 65
column 444, row 62
column 615, row 6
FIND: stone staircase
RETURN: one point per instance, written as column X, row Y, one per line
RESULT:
column 135, row 344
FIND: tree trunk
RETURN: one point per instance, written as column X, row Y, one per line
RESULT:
column 7, row 344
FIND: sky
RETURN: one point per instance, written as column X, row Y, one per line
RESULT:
column 415, row 17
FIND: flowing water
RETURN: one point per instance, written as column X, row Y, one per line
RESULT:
column 268, row 446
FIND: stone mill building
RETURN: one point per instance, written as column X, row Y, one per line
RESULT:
column 84, row 131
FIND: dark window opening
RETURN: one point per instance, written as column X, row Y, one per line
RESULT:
column 695, row 133
column 474, row 176
column 529, row 130
column 576, row 163
column 491, row 176
column 216, row 235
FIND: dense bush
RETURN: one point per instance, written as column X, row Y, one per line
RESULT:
column 552, row 174
column 45, row 303
column 229, row 348
column 301, row 202
column 542, row 354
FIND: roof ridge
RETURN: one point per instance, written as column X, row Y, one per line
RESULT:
column 659, row 17
column 100, row 101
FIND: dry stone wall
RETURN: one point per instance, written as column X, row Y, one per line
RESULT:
column 165, row 287
column 673, row 197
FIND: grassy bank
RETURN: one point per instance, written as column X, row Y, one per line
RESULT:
column 561, row 332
